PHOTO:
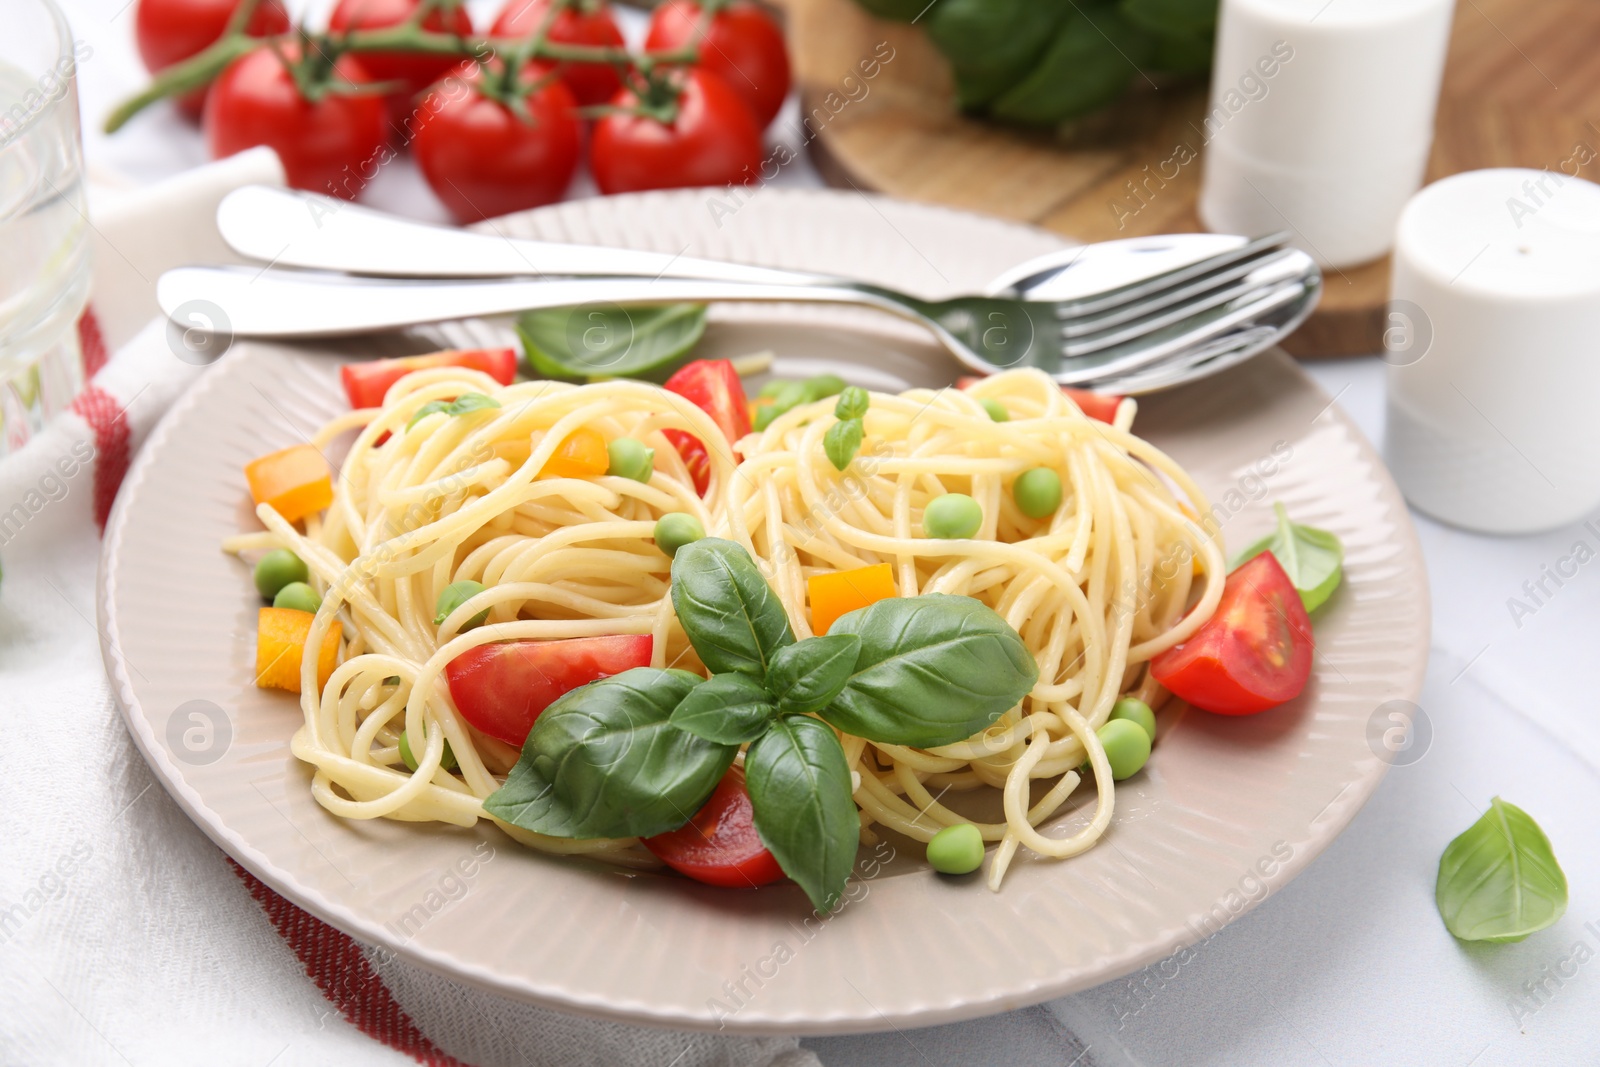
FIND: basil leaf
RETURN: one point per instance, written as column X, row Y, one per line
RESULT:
column 1313, row 559
column 1089, row 63
column 842, row 442
column 610, row 341
column 1172, row 16
column 730, row 709
column 1499, row 881
column 805, row 676
column 800, row 795
column 731, row 615
column 461, row 405
column 605, row 761
column 785, row 398
column 852, row 403
column 991, row 44
column 933, row 670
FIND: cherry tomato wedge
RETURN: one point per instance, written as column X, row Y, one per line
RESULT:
column 742, row 45
column 587, row 23
column 719, row 845
column 1253, row 654
column 501, row 688
column 1099, row 406
column 713, row 386
column 366, row 383
column 172, row 30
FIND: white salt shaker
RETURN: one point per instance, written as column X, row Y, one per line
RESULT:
column 1494, row 350
column 1321, row 119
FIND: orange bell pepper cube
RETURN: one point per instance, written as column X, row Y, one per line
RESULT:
column 280, row 642
column 581, row 455
column 294, row 481
column 842, row 592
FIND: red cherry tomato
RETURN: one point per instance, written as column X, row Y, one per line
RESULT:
column 1100, row 406
column 483, row 160
column 331, row 146
column 501, row 688
column 416, row 70
column 713, row 386
column 366, row 383
column 742, row 46
column 713, row 140
column 172, row 30
column 588, row 23
column 1253, row 654
column 719, row 845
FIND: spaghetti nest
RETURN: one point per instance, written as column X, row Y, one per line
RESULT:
column 1095, row 590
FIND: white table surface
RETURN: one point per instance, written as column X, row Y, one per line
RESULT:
column 1350, row 963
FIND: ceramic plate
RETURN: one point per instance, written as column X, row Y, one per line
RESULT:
column 1227, row 810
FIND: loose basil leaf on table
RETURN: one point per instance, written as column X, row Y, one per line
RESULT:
column 605, row 761
column 799, row 787
column 732, row 617
column 933, row 670
column 1499, row 881
column 804, row 677
column 609, row 341
column 1313, row 559
column 730, row 709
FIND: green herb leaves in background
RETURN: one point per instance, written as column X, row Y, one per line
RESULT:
column 637, row 754
column 605, row 761
column 1499, row 881
column 599, row 341
column 1313, row 559
column 1045, row 62
column 461, row 405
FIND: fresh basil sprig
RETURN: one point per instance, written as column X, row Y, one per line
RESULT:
column 461, row 405
column 843, row 439
column 639, row 753
column 1313, row 559
column 1499, row 881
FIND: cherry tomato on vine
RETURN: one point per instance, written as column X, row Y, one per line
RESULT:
column 719, row 845
column 1253, row 654
column 742, row 45
column 416, row 70
column 331, row 145
column 482, row 159
column 172, row 30
column 707, row 137
column 586, row 22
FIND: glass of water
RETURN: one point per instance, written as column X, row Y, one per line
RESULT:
column 44, row 245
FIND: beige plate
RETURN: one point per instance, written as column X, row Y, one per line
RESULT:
column 1225, row 807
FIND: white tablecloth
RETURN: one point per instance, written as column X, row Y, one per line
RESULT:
column 130, row 940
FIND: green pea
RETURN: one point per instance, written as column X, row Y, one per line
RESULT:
column 630, row 459
column 277, row 569
column 676, row 529
column 447, row 761
column 299, row 596
column 954, row 515
column 1136, row 711
column 453, row 596
column 997, row 411
column 1127, row 747
column 956, row 849
column 1037, row 492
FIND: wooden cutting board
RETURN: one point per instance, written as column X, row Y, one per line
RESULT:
column 1521, row 88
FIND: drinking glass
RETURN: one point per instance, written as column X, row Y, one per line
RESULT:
column 44, row 228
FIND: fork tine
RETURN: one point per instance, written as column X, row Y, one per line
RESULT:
column 1112, row 298
column 1190, row 292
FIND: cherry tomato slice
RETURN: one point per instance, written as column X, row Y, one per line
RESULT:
column 586, row 24
column 501, row 688
column 742, row 45
column 366, row 383
column 1099, row 406
column 1253, row 654
column 713, row 386
column 719, row 845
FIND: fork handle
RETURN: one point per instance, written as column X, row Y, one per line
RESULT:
column 296, row 229
column 271, row 303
